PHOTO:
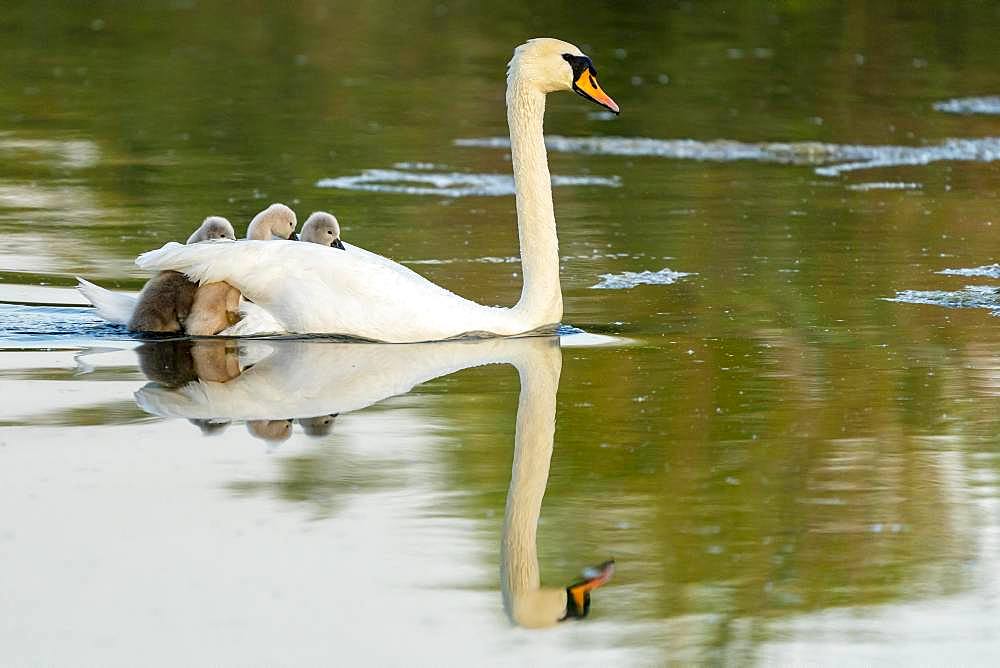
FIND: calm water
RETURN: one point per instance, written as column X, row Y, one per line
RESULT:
column 787, row 466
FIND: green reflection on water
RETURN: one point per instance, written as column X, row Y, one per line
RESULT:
column 778, row 441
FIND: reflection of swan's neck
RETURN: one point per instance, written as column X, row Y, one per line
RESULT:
column 525, row 601
column 541, row 296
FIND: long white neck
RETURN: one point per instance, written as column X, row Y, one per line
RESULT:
column 526, row 602
column 541, row 295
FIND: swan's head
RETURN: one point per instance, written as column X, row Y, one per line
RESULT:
column 547, row 606
column 276, row 220
column 552, row 65
column 322, row 228
column 578, row 593
column 213, row 227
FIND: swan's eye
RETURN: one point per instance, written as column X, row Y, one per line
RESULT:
column 329, row 231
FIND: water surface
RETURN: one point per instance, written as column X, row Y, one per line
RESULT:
column 789, row 446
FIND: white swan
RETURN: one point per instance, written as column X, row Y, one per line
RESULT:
column 309, row 378
column 358, row 293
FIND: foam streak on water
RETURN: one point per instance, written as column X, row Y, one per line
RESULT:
column 884, row 185
column 630, row 279
column 987, row 270
column 970, row 105
column 972, row 296
column 829, row 159
column 447, row 184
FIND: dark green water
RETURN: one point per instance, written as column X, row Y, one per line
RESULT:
column 787, row 467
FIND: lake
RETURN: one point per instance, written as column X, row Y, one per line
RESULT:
column 774, row 402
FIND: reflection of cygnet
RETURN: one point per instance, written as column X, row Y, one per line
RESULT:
column 272, row 431
column 179, row 362
column 213, row 227
column 321, row 425
column 216, row 306
column 210, row 427
column 216, row 361
column 167, row 299
column 168, row 363
column 322, row 228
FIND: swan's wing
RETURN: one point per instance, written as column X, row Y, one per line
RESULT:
column 309, row 288
column 115, row 307
column 296, row 379
column 255, row 320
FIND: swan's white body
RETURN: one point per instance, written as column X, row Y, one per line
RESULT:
column 302, row 288
column 308, row 288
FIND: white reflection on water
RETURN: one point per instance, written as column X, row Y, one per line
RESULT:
column 64, row 153
column 447, row 184
column 829, row 159
column 144, row 530
column 302, row 380
column 958, row 630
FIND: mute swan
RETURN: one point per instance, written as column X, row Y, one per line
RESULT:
column 358, row 293
column 168, row 298
column 322, row 228
column 301, row 378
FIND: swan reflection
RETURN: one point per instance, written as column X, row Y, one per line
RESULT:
column 270, row 384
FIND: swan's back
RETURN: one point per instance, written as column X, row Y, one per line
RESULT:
column 310, row 288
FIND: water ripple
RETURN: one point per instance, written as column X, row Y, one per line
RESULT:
column 34, row 323
column 970, row 105
column 884, row 185
column 828, row 159
column 630, row 279
column 972, row 296
column 447, row 184
column 987, row 270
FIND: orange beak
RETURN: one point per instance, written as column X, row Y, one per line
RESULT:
column 578, row 594
column 587, row 86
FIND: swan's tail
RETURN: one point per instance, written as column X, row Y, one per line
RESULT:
column 115, row 307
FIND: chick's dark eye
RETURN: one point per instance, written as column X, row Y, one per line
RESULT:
column 329, row 231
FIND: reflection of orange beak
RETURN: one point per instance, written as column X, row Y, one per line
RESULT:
column 587, row 86
column 578, row 594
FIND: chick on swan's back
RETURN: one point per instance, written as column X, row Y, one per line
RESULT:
column 169, row 298
column 209, row 303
